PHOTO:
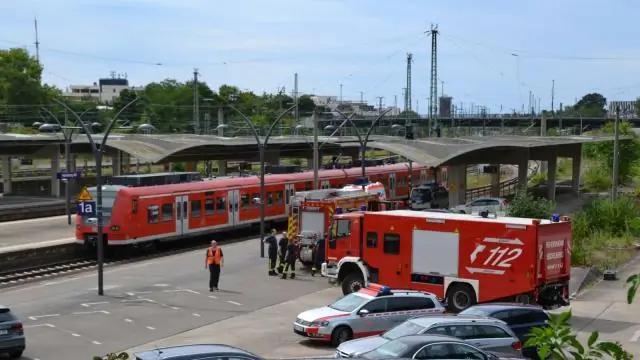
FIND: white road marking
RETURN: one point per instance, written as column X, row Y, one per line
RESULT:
column 42, row 316
column 635, row 337
column 182, row 290
column 191, row 291
column 213, row 296
column 138, row 300
column 196, row 315
column 94, row 303
column 74, row 334
column 161, row 285
column 174, row 307
column 96, row 342
column 151, row 328
column 131, row 293
column 91, row 312
column 128, row 320
column 234, row 303
column 36, row 325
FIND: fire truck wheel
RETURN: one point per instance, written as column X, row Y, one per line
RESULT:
column 460, row 297
column 340, row 335
column 352, row 283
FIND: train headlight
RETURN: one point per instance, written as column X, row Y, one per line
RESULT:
column 115, row 227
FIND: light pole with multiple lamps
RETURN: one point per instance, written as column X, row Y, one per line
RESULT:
column 98, row 151
column 362, row 140
column 67, row 133
column 262, row 147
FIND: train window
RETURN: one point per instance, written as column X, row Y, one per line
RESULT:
column 134, row 208
column 372, row 240
column 167, row 212
column 196, row 208
column 245, row 201
column 270, row 198
column 391, row 244
column 153, row 214
column 255, row 196
column 209, row 206
column 279, row 197
column 221, row 204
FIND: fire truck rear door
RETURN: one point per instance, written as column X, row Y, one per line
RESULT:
column 289, row 191
column 312, row 221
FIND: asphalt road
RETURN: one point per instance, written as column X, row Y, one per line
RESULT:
column 604, row 308
column 65, row 318
column 23, row 232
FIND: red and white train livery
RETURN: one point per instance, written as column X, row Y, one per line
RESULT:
column 140, row 215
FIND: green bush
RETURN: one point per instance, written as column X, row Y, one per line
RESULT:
column 525, row 205
column 613, row 218
column 629, row 150
column 538, row 178
column 597, row 179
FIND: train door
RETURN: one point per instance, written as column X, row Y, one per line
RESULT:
column 392, row 186
column 289, row 191
column 325, row 184
column 234, row 207
column 182, row 214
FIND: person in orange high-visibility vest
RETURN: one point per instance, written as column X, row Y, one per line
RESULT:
column 214, row 262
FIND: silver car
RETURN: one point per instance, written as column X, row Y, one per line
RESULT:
column 484, row 332
column 370, row 311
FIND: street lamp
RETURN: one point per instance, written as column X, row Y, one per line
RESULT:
column 67, row 133
column 262, row 145
column 98, row 151
column 361, row 140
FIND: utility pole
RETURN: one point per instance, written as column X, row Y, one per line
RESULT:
column 196, row 103
column 553, row 96
column 433, row 93
column 37, row 43
column 407, row 90
column 380, row 98
column 341, row 94
column 295, row 97
column 361, row 98
column 316, row 153
column 616, row 156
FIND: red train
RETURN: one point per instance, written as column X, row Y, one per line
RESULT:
column 144, row 215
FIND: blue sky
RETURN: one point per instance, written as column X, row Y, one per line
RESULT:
column 585, row 46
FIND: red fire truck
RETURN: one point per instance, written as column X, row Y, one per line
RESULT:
column 312, row 211
column 464, row 259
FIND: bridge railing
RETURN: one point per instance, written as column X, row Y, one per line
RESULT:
column 507, row 187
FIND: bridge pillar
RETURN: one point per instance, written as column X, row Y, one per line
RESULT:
column 272, row 157
column 576, row 162
column 552, row 166
column 55, row 168
column 523, row 173
column 191, row 166
column 6, row 174
column 495, row 182
column 116, row 163
column 457, row 179
column 222, row 167
column 125, row 162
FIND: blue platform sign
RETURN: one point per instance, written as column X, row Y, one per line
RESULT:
column 69, row 176
column 87, row 209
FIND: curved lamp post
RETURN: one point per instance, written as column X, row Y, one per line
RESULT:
column 262, row 146
column 67, row 133
column 98, row 151
column 362, row 140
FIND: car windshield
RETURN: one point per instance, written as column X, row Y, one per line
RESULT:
column 392, row 349
column 349, row 302
column 474, row 312
column 6, row 315
column 404, row 329
column 421, row 194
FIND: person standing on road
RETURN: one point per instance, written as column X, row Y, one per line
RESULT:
column 318, row 258
column 214, row 262
column 290, row 258
column 272, row 252
column 282, row 251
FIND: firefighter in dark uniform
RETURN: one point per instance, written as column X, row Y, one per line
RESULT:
column 290, row 259
column 318, row 257
column 282, row 252
column 272, row 252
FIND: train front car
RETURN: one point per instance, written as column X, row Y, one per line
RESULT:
column 113, row 218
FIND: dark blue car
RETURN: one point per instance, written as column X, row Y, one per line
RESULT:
column 521, row 318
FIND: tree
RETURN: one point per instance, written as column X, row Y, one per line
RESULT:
column 306, row 105
column 409, row 114
column 629, row 150
column 21, row 93
column 590, row 105
column 525, row 205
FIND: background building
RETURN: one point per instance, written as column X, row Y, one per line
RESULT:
column 105, row 91
column 627, row 108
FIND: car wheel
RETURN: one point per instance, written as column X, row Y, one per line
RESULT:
column 352, row 283
column 16, row 354
column 459, row 297
column 340, row 335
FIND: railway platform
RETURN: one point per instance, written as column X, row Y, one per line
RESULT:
column 28, row 207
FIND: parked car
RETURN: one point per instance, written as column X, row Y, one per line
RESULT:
column 197, row 352
column 521, row 318
column 493, row 205
column 429, row 195
column 370, row 311
column 435, row 347
column 12, row 339
column 484, row 332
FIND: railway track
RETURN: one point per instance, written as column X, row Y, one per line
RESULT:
column 76, row 264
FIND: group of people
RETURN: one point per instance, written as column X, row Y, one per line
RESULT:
column 282, row 255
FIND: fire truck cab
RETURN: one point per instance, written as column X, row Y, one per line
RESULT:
column 312, row 211
column 464, row 259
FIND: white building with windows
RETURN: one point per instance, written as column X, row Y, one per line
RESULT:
column 105, row 91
